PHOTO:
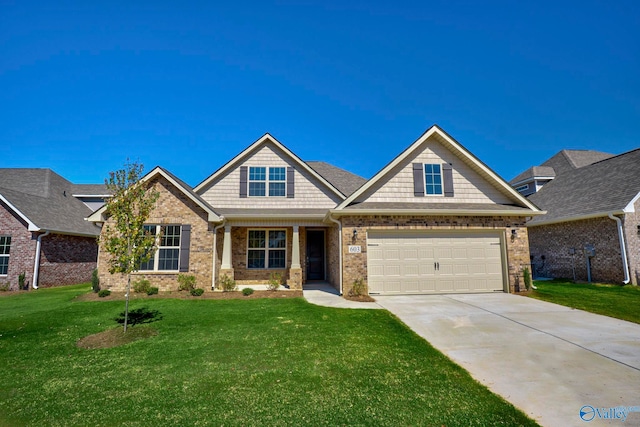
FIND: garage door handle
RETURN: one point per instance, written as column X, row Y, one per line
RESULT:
column 436, row 266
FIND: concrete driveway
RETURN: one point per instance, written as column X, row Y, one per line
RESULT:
column 550, row 361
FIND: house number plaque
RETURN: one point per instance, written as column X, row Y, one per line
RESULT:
column 355, row 249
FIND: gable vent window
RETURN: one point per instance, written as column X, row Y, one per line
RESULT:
column 5, row 246
column 432, row 179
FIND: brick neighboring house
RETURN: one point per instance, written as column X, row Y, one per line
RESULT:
column 592, row 225
column 434, row 220
column 43, row 233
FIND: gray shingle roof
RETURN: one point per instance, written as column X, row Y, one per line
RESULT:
column 90, row 189
column 567, row 160
column 45, row 198
column 536, row 171
column 605, row 186
column 345, row 181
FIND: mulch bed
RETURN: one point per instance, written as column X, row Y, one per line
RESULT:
column 115, row 296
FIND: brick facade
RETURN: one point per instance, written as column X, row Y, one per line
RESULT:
column 557, row 250
column 355, row 265
column 64, row 260
column 172, row 207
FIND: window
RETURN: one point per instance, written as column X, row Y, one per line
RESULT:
column 522, row 188
column 433, row 179
column 167, row 255
column 273, row 184
column 267, row 249
column 5, row 246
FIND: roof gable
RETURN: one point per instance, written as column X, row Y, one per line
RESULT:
column 436, row 144
column 265, row 140
column 212, row 216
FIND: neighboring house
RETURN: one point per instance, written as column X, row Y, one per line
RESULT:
column 532, row 180
column 592, row 226
column 43, row 233
column 434, row 220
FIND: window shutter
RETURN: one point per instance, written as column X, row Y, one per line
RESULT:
column 290, row 183
column 447, row 179
column 243, row 181
column 418, row 180
column 185, row 244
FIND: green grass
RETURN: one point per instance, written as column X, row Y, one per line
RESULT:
column 617, row 301
column 231, row 362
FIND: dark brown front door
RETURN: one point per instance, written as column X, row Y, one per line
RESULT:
column 315, row 254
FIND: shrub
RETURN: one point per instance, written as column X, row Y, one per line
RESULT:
column 197, row 292
column 4, row 287
column 187, row 282
column 152, row 291
column 275, row 280
column 104, row 293
column 139, row 316
column 227, row 284
column 21, row 284
column 95, row 281
column 141, row 286
column 247, row 291
column 526, row 275
column 357, row 288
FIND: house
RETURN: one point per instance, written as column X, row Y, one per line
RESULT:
column 532, row 180
column 592, row 227
column 434, row 220
column 43, row 233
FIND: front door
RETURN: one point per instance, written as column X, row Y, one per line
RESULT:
column 315, row 254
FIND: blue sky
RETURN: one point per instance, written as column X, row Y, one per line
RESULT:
column 188, row 85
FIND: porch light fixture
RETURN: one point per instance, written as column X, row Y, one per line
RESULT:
column 514, row 234
column 355, row 233
column 638, row 230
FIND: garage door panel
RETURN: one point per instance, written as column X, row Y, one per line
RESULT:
column 405, row 262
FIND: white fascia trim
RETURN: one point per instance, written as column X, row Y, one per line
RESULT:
column 232, row 217
column 432, row 212
column 91, row 195
column 457, row 147
column 30, row 225
column 630, row 206
column 266, row 138
column 603, row 214
column 530, row 180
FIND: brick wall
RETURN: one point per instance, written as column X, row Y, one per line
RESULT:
column 172, row 207
column 66, row 260
column 22, row 250
column 551, row 248
column 355, row 265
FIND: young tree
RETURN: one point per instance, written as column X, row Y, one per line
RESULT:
column 124, row 236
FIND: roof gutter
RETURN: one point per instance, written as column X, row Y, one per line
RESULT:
column 602, row 214
column 36, row 264
column 625, row 264
column 339, row 246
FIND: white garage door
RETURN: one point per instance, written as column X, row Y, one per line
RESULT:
column 433, row 262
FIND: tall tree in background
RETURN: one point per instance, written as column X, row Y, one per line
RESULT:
column 124, row 236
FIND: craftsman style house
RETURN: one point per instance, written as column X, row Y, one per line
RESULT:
column 434, row 220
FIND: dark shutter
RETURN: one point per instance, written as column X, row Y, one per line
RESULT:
column 418, row 180
column 290, row 183
column 447, row 179
column 243, row 181
column 185, row 244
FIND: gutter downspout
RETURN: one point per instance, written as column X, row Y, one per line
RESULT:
column 340, row 246
column 215, row 252
column 625, row 265
column 36, row 264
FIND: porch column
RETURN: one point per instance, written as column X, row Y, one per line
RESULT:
column 226, row 248
column 295, row 272
column 295, row 248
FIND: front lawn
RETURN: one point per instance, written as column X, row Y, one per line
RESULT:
column 617, row 301
column 231, row 362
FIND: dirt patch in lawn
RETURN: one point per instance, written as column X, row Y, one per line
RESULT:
column 116, row 337
column 359, row 298
column 91, row 296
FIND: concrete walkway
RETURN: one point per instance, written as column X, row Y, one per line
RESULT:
column 550, row 361
column 326, row 295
